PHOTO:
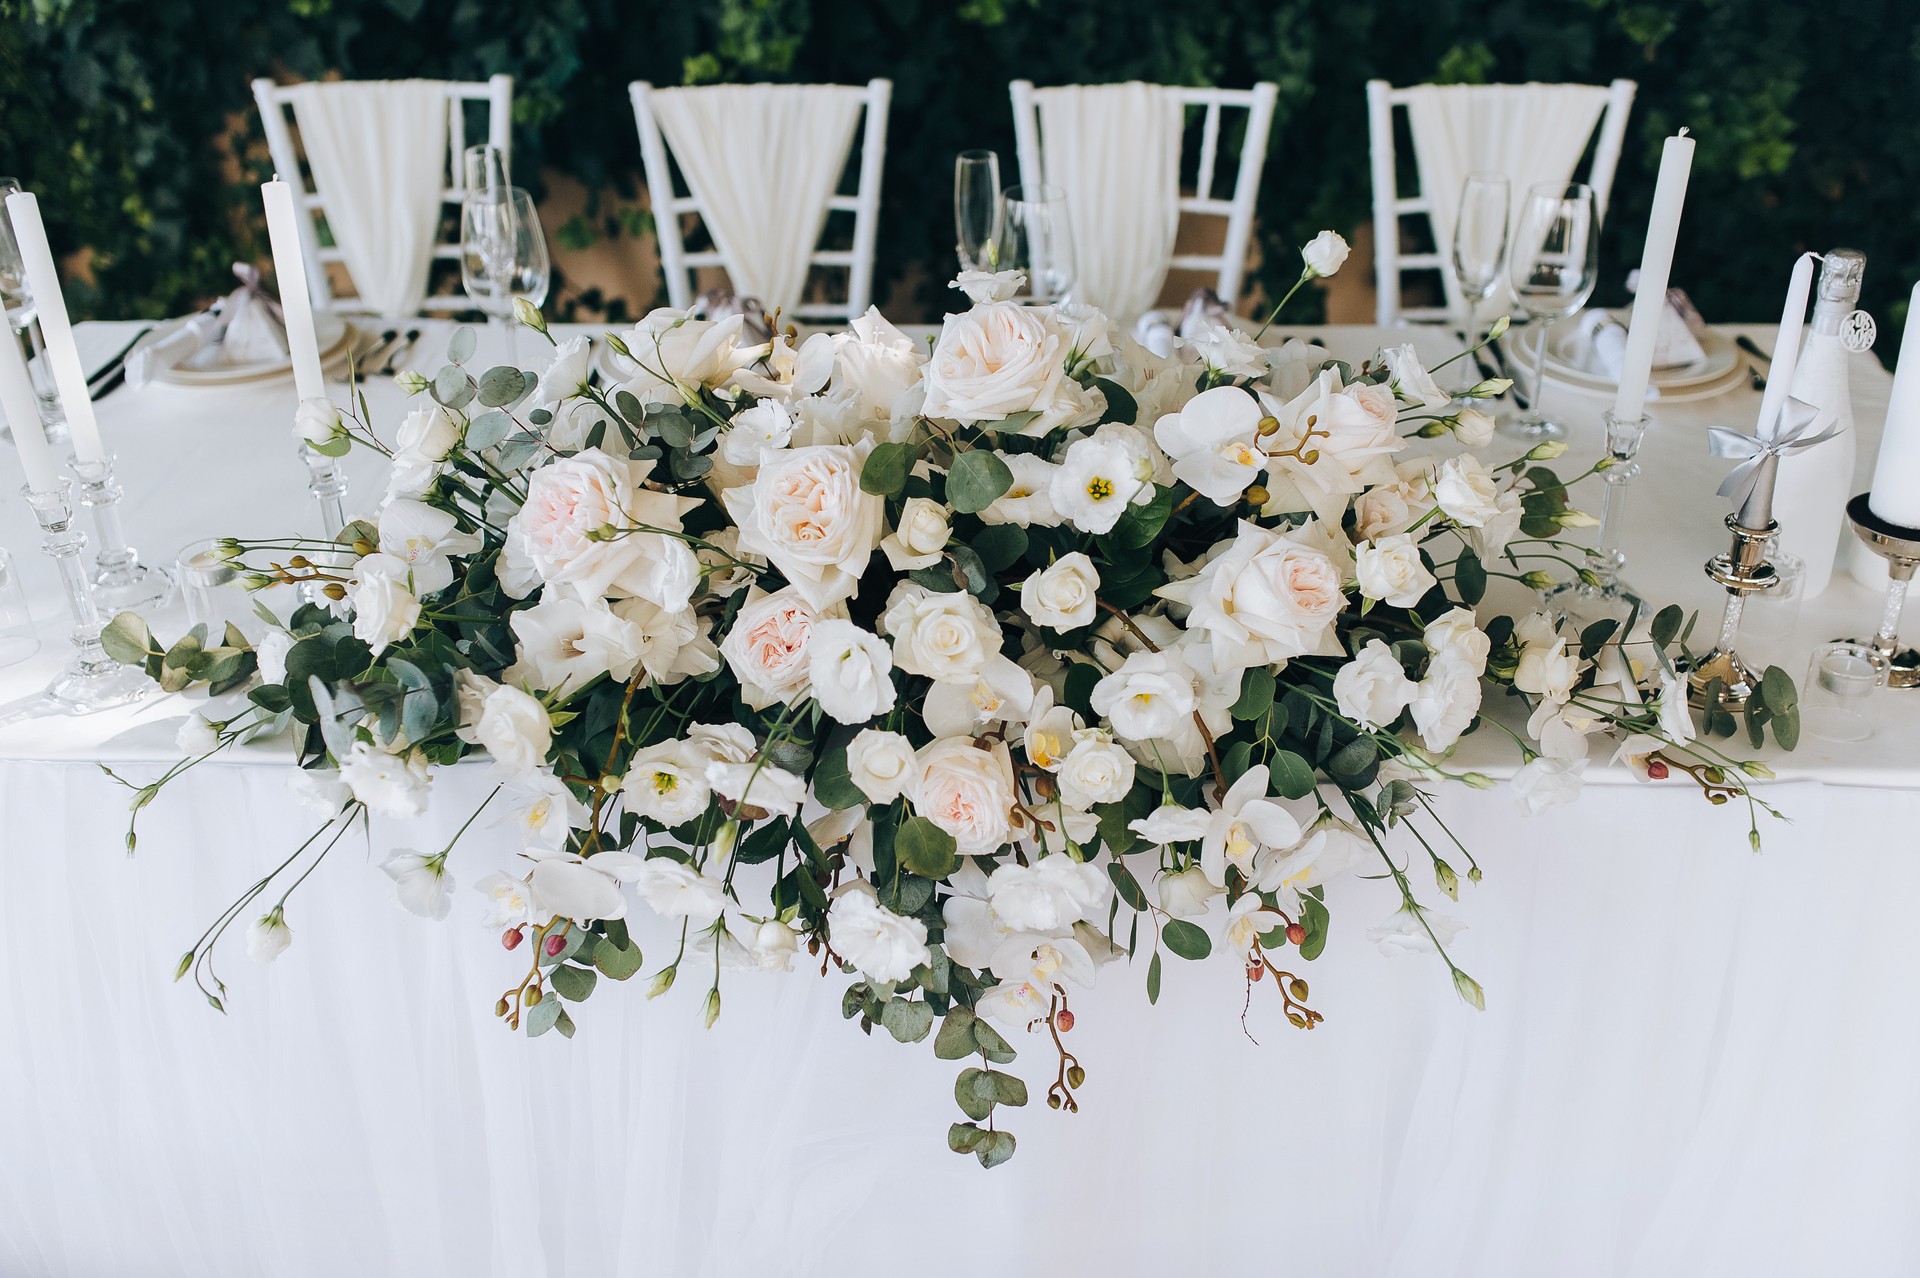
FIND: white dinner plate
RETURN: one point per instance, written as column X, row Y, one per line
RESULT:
column 1718, row 365
column 210, row 368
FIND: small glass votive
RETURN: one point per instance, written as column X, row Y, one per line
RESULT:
column 17, row 638
column 1833, row 700
column 210, row 587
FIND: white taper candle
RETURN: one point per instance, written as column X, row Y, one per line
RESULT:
column 1786, row 346
column 1656, row 265
column 1895, row 494
column 43, row 282
column 22, row 407
column 290, row 272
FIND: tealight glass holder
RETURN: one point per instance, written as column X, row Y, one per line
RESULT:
column 121, row 583
column 1742, row 569
column 92, row 680
column 1840, row 679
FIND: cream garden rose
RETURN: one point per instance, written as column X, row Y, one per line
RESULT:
column 768, row 648
column 562, row 533
column 967, row 790
column 806, row 513
column 919, row 537
column 1002, row 358
column 947, row 637
column 1266, row 596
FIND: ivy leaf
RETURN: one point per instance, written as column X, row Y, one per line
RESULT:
column 977, row 480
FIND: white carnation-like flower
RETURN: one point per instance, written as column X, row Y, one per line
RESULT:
column 884, row 946
column 850, row 671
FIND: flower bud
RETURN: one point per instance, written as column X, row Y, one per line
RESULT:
column 1063, row 1019
column 614, row 340
column 1492, row 388
column 511, row 938
column 410, row 382
column 1257, row 495
column 1577, row 519
column 533, row 997
column 1076, row 1076
column 1547, row 450
column 1499, row 327
column 662, row 982
column 556, row 942
column 1537, row 579
column 501, row 1008
column 1755, row 768
column 1477, row 781
column 712, row 1012
column 334, row 590
column 1295, row 933
column 529, row 314
column 1267, row 426
column 186, row 965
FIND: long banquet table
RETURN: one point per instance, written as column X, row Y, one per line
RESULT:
column 1694, row 1060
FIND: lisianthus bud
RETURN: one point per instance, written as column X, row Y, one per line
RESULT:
column 410, row 382
column 1492, row 388
column 1577, row 519
column 1548, row 450
column 529, row 314
column 1499, row 327
column 662, row 982
column 1477, row 781
column 1537, row 580
column 1755, row 768
column 713, row 1007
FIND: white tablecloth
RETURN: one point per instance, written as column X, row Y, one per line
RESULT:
column 1695, row 1060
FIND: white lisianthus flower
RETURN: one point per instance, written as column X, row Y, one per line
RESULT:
column 989, row 286
column 1334, row 441
column 542, row 811
column 1213, row 443
column 1547, row 783
column 515, row 729
column 268, row 936
column 1100, row 476
column 389, row 785
column 1457, row 634
column 1266, row 596
column 567, row 374
column 1446, row 700
column 1049, row 896
column 1408, row 933
column 772, row 945
column 1187, row 894
column 1002, row 358
column 1149, row 696
column 1410, row 379
column 197, row 735
column 806, row 513
column 1390, row 570
column 316, row 421
column 880, row 763
column 1096, row 770
column 1473, row 428
column 1247, row 820
column 428, row 434
column 764, row 428
column 1171, row 823
column 384, row 610
column 1029, row 502
column 1548, row 670
column 1064, row 595
column 966, row 790
column 510, row 900
column 1225, row 350
column 921, row 536
column 675, row 890
column 1373, row 688
column 421, row 883
column 667, row 782
column 850, row 671
column 319, row 790
column 884, row 946
column 725, row 742
column 566, row 643
column 1395, row 506
column 1561, row 731
column 674, row 355
column 758, row 784
column 769, row 645
column 948, row 637
column 565, row 533
column 271, row 652
column 1324, row 254
column 1468, row 494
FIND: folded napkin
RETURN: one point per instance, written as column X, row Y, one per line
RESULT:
column 1154, row 331
column 240, row 324
column 1599, row 344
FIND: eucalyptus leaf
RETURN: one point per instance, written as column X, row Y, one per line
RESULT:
column 1188, row 940
column 488, row 429
column 460, row 345
column 977, row 480
column 925, row 848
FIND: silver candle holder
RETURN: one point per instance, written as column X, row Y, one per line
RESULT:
column 92, row 680
column 1743, row 570
column 121, row 583
column 1900, row 547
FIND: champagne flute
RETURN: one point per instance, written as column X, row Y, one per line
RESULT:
column 1480, row 240
column 1036, row 237
column 503, row 256
column 976, row 209
column 1555, row 261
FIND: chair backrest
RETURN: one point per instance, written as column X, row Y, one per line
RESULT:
column 1229, row 265
column 1389, row 207
column 668, row 206
column 276, row 102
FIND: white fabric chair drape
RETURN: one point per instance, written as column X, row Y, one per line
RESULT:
column 1115, row 150
column 762, row 160
column 378, row 150
column 1531, row 132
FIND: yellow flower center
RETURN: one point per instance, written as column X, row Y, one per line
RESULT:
column 1100, row 489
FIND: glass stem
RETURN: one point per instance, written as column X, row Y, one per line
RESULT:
column 1607, row 556
column 1888, row 640
column 66, row 546
column 114, row 560
column 1730, row 620
column 1535, row 391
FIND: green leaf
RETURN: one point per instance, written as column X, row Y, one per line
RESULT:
column 987, row 1041
column 977, row 480
column 1153, row 978
column 967, row 1094
column 1469, row 577
column 994, row 1148
column 1354, row 759
column 541, row 1017
column 573, row 983
column 1595, row 635
column 1776, row 688
column 908, row 1020
column 1786, row 728
column 887, row 468
column 616, row 962
column 925, row 848
column 460, row 345
column 1666, row 624
column 1292, row 776
column 488, row 429
column 1256, row 693
column 1077, row 694
column 833, row 784
column 963, row 1137
column 127, row 639
column 1139, row 525
column 999, row 545
column 502, row 386
column 453, row 388
column 955, row 1040
column 1127, row 886
column 1238, row 759
column 1121, row 406
column 1188, row 940
column 1313, row 917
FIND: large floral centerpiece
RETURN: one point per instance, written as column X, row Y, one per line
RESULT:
column 967, row 672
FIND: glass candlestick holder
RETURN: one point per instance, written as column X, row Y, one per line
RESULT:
column 92, row 680
column 121, row 583
column 1601, row 594
column 1900, row 547
column 1743, row 570
column 328, row 484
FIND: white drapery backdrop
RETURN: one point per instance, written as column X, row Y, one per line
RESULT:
column 1695, row 1061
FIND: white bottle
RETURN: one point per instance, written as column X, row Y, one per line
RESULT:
column 1810, row 501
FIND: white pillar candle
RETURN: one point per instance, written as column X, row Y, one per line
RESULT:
column 43, row 282
column 1786, row 346
column 1895, row 495
column 290, row 272
column 1656, row 265
column 22, row 406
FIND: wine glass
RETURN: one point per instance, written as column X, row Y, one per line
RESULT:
column 976, row 209
column 1555, row 260
column 485, row 168
column 503, row 256
column 1480, row 240
column 1036, row 237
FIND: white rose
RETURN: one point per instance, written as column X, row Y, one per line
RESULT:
column 1151, row 695
column 966, row 791
column 1390, row 570
column 1546, row 783
column 1373, row 689
column 1396, row 506
column 1064, row 594
column 947, row 637
column 427, row 435
column 1446, row 700
column 565, row 643
column 1100, row 476
column 268, row 936
column 1187, row 894
column 1029, row 502
column 384, row 610
column 1410, row 379
column 772, row 946
column 921, row 536
column 1473, row 428
column 1096, row 770
column 1456, row 634
column 1324, row 254
column 1266, row 596
column 1548, row 670
column 389, row 785
column 884, row 946
column 998, row 359
column 271, row 652
column 806, row 513
column 758, row 784
column 880, row 763
column 1049, row 896
column 675, row 890
column 571, row 502
column 197, row 735
column 850, row 670
column 768, row 648
column 515, row 729
column 766, row 427
column 1212, row 443
column 421, row 883
column 316, row 422
column 667, row 782
column 1466, row 491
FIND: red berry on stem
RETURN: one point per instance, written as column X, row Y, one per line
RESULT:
column 511, row 938
column 1295, row 934
column 556, row 943
column 1064, row 1020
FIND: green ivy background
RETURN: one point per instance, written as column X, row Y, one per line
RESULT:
column 134, row 120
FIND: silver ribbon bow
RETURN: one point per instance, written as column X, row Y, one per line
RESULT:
column 1796, row 418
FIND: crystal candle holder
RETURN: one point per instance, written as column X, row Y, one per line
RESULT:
column 1584, row 600
column 121, row 583
column 92, row 680
column 328, row 484
column 1900, row 547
